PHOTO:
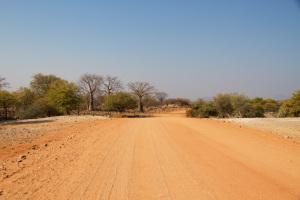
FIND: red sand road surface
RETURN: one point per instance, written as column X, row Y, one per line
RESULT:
column 164, row 157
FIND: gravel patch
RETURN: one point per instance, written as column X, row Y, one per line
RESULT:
column 287, row 127
column 23, row 131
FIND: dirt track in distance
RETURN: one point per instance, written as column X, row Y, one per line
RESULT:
column 164, row 157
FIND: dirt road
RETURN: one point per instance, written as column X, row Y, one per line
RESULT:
column 166, row 157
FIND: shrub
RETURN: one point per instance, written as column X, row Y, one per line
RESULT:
column 25, row 98
column 240, row 105
column 271, row 105
column 228, row 105
column 40, row 108
column 202, row 109
column 119, row 102
column 223, row 105
column 254, row 110
column 291, row 107
column 179, row 102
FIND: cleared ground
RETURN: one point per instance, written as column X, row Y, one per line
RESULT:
column 286, row 127
column 165, row 157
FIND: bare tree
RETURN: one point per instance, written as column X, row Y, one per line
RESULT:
column 3, row 83
column 161, row 96
column 112, row 85
column 91, row 84
column 141, row 89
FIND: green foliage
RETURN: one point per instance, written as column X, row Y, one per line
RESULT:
column 7, row 101
column 240, row 105
column 25, row 98
column 64, row 96
column 223, row 105
column 202, row 109
column 291, row 107
column 41, row 83
column 271, row 105
column 40, row 108
column 231, row 105
column 254, row 110
column 119, row 102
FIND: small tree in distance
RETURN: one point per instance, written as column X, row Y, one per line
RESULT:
column 161, row 96
column 141, row 89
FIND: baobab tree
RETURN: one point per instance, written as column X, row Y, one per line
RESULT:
column 141, row 89
column 91, row 84
column 161, row 96
column 112, row 85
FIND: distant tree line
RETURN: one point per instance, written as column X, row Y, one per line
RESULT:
column 49, row 95
column 238, row 105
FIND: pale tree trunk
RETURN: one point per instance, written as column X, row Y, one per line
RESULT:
column 6, row 113
column 140, row 105
column 91, row 105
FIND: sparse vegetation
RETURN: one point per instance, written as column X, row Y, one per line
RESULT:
column 178, row 102
column 119, row 102
column 291, row 107
column 203, row 109
column 238, row 105
column 7, row 102
column 49, row 95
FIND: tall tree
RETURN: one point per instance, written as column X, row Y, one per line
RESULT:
column 141, row 89
column 3, row 83
column 41, row 83
column 25, row 97
column 7, row 100
column 112, row 85
column 161, row 96
column 64, row 95
column 91, row 84
column 291, row 107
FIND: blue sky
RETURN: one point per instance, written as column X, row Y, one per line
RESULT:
column 186, row 48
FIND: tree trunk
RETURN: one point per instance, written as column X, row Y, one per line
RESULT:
column 140, row 105
column 91, row 105
column 6, row 113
